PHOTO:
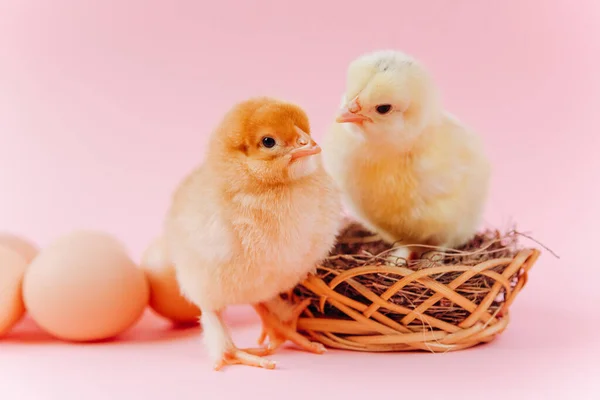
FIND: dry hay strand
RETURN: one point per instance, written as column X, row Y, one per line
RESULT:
column 449, row 299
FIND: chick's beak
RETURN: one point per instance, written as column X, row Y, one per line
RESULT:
column 309, row 150
column 351, row 113
column 348, row 116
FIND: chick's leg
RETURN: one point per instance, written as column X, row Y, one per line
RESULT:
column 279, row 324
column 401, row 254
column 221, row 348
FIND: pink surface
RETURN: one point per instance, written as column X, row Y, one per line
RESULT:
column 104, row 107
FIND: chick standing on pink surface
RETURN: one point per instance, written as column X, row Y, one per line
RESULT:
column 407, row 169
column 251, row 222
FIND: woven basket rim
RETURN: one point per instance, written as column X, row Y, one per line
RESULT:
column 365, row 328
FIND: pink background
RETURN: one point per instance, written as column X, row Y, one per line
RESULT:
column 105, row 105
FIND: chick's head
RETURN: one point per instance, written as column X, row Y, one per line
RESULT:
column 389, row 98
column 270, row 140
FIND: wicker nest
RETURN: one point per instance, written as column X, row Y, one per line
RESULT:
column 362, row 300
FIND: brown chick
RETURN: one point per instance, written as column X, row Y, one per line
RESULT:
column 407, row 169
column 252, row 222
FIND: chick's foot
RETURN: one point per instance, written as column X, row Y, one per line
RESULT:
column 221, row 347
column 279, row 331
column 249, row 357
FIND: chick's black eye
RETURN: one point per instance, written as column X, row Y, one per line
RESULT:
column 268, row 142
column 383, row 108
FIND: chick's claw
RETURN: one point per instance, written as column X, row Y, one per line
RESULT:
column 279, row 331
column 271, row 332
column 249, row 357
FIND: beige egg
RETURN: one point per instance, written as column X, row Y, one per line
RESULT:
column 85, row 287
column 12, row 270
column 165, row 297
column 22, row 246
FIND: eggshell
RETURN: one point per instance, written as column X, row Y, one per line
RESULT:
column 22, row 246
column 84, row 287
column 12, row 270
column 165, row 297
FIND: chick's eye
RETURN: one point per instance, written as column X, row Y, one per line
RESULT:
column 268, row 142
column 383, row 108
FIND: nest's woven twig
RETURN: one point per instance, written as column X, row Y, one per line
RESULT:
column 363, row 300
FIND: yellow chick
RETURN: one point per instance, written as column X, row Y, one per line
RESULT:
column 252, row 222
column 407, row 169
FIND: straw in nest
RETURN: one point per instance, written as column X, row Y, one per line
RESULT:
column 447, row 300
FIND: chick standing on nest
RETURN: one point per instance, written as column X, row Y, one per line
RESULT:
column 407, row 169
column 251, row 222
